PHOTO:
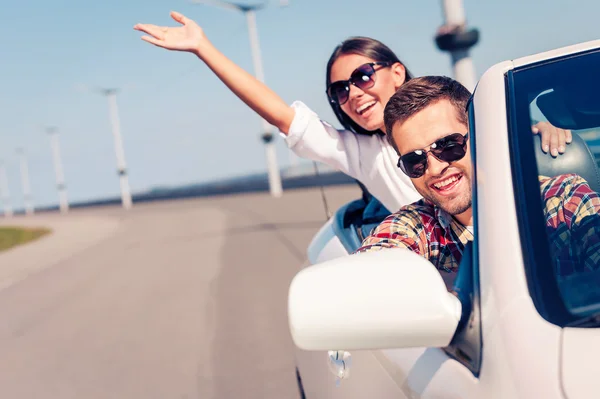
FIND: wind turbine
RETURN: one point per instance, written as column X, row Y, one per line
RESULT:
column 111, row 95
column 8, row 212
column 455, row 38
column 27, row 198
column 58, row 169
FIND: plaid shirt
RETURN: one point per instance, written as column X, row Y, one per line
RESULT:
column 572, row 212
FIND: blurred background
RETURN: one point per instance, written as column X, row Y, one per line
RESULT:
column 180, row 125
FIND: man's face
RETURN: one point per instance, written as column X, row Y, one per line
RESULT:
column 447, row 185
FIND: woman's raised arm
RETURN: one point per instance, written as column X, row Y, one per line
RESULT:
column 191, row 38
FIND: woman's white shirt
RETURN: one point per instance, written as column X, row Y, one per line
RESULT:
column 369, row 159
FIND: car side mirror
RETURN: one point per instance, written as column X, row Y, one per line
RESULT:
column 392, row 298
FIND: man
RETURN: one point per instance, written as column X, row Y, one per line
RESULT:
column 427, row 125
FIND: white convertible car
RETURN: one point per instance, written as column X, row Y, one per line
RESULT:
column 386, row 323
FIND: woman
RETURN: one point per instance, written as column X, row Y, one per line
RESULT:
column 362, row 74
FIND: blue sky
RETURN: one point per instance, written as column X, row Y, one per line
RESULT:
column 179, row 123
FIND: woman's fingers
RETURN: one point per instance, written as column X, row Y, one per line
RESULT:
column 545, row 140
column 562, row 140
column 152, row 40
column 154, row 30
column 568, row 136
column 180, row 38
column 553, row 141
column 179, row 17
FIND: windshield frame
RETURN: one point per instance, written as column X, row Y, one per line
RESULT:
column 541, row 281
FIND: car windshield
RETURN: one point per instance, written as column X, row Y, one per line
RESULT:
column 564, row 228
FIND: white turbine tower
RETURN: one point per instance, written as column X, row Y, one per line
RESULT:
column 267, row 135
column 111, row 95
column 26, row 187
column 455, row 38
column 126, row 200
column 8, row 212
column 58, row 170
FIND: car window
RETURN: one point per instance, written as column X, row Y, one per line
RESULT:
column 559, row 212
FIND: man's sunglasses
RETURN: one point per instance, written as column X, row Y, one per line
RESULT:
column 447, row 149
column 363, row 77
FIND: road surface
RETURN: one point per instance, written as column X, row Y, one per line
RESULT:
column 178, row 299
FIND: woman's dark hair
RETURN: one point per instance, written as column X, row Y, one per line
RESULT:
column 366, row 47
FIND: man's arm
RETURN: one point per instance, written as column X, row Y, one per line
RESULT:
column 572, row 212
column 403, row 229
column 583, row 205
column 573, row 221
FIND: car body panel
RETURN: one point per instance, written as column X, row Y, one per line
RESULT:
column 429, row 373
column 556, row 53
column 580, row 352
column 521, row 354
column 325, row 245
column 368, row 377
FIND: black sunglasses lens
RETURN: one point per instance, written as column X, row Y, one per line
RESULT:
column 450, row 148
column 453, row 153
column 339, row 92
column 363, row 77
column 413, row 164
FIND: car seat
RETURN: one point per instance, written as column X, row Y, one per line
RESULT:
column 577, row 159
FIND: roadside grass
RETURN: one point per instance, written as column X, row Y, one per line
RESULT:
column 13, row 236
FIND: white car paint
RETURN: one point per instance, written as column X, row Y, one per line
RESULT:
column 559, row 52
column 325, row 245
column 521, row 352
column 580, row 354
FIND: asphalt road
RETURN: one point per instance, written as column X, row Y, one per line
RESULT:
column 178, row 299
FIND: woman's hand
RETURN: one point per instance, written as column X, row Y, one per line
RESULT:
column 188, row 37
column 554, row 140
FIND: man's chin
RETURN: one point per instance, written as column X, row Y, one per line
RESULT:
column 454, row 206
column 457, row 210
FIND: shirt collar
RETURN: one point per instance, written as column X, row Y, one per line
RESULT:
column 458, row 229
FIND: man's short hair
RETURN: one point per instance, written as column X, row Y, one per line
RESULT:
column 418, row 93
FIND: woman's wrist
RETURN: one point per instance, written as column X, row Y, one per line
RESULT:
column 202, row 47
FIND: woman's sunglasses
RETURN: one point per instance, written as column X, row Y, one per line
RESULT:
column 363, row 77
column 447, row 149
